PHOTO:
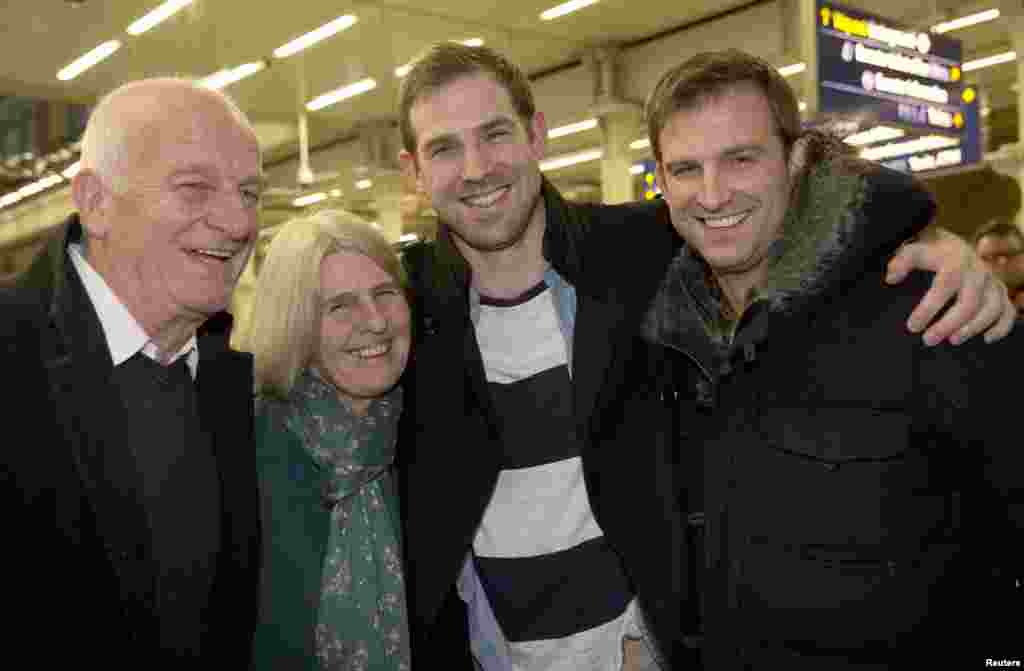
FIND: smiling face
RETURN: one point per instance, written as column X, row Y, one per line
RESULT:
column 365, row 330
column 724, row 175
column 173, row 232
column 478, row 162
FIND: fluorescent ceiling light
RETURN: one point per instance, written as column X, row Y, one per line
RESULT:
column 312, row 37
column 642, row 143
column 408, row 237
column 636, row 169
column 219, row 80
column 77, row 67
column 309, row 199
column 31, row 189
column 979, row 63
column 569, row 129
column 364, row 184
column 795, row 68
column 72, row 170
column 927, row 143
column 403, row 70
column 873, row 135
column 565, row 8
column 158, row 15
column 964, row 21
column 565, row 160
column 337, row 95
column 334, row 193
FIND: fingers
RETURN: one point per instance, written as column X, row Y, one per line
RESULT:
column 1002, row 327
column 944, row 287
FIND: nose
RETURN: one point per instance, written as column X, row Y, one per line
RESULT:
column 477, row 164
column 713, row 194
column 371, row 316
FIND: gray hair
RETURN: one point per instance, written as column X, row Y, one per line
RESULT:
column 113, row 124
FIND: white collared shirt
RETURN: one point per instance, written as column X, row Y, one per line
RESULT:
column 124, row 335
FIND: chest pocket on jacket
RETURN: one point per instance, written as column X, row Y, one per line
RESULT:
column 838, row 475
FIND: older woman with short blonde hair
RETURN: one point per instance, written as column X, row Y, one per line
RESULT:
column 331, row 336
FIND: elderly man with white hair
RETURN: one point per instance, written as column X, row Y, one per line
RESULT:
column 130, row 491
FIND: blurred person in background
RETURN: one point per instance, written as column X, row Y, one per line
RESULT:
column 1000, row 245
column 131, row 493
column 331, row 336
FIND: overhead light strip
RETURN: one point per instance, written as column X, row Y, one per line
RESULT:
column 795, row 68
column 566, row 160
column 158, row 15
column 980, row 63
column 339, row 94
column 303, row 201
column 927, row 143
column 965, row 21
column 571, row 128
column 312, row 37
column 873, row 135
column 80, row 65
column 565, row 8
column 223, row 78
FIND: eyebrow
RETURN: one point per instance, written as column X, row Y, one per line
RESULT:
column 345, row 295
column 209, row 173
column 500, row 121
column 729, row 152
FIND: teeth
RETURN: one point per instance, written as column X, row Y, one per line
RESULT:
column 376, row 350
column 724, row 222
column 216, row 253
column 485, row 200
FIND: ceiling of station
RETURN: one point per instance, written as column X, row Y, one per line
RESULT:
column 37, row 38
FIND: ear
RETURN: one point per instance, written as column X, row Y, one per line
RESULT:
column 659, row 176
column 410, row 168
column 91, row 199
column 798, row 156
column 538, row 135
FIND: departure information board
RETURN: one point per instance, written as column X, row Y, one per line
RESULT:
column 899, row 92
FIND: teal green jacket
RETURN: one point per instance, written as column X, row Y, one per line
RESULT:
column 295, row 532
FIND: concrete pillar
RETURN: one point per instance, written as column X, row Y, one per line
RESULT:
column 808, row 21
column 619, row 121
column 377, row 184
column 618, row 129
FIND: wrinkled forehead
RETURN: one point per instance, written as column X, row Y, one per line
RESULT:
column 196, row 131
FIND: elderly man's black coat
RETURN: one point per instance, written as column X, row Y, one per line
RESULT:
column 77, row 548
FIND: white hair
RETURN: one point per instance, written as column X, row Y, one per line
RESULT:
column 112, row 123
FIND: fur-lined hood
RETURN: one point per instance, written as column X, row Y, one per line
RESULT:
column 844, row 213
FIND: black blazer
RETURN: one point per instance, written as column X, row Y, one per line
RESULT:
column 450, row 450
column 78, row 548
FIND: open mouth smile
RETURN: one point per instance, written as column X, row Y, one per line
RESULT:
column 486, row 198
column 212, row 254
column 372, row 351
column 729, row 221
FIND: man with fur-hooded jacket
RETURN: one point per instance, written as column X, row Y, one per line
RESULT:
column 851, row 500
